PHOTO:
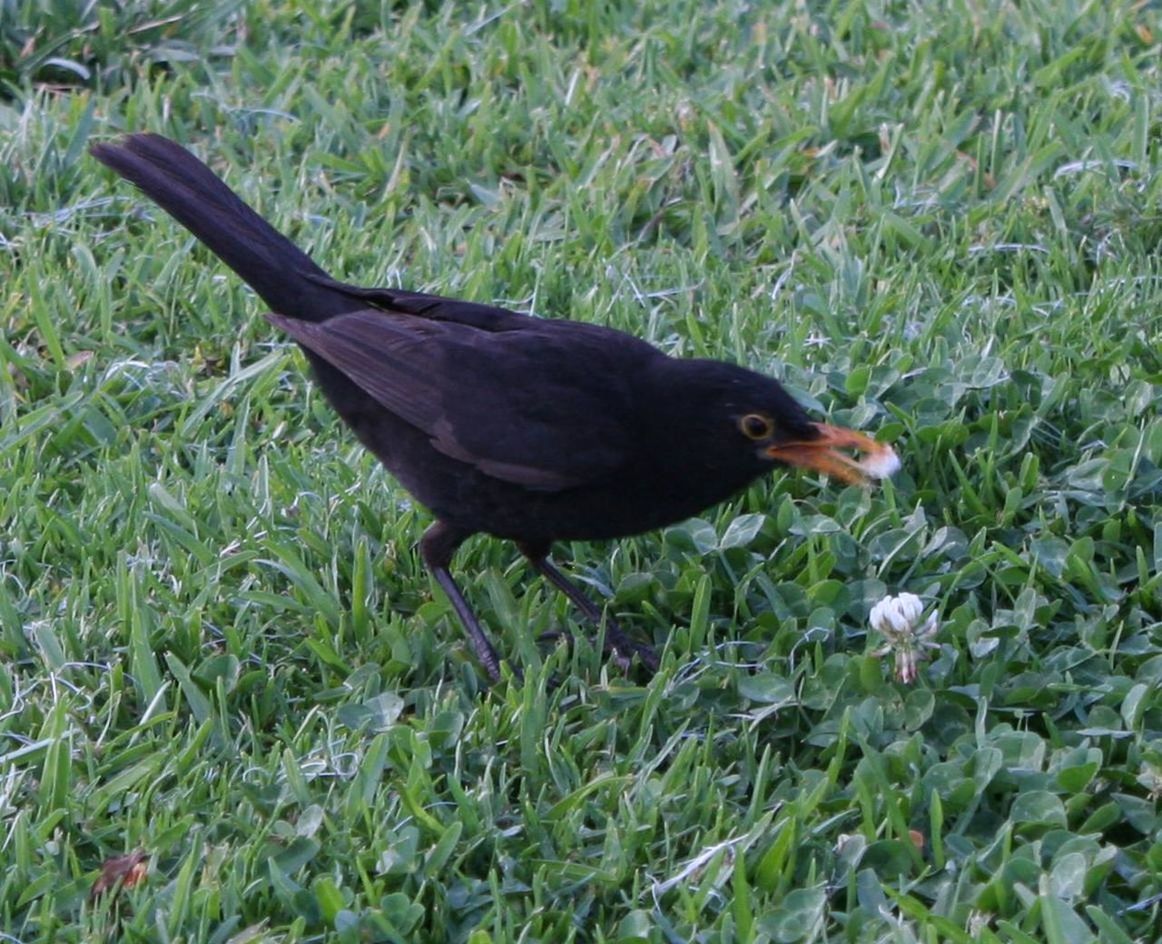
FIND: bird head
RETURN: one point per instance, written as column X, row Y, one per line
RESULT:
column 833, row 450
column 754, row 422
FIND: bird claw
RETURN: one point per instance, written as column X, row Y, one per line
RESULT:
column 619, row 649
column 623, row 662
column 649, row 658
column 622, row 650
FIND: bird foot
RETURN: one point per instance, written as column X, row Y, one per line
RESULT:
column 619, row 649
column 622, row 656
column 649, row 658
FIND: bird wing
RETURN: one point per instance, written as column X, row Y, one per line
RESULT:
column 523, row 406
column 433, row 307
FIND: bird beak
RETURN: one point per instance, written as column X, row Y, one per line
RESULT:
column 825, row 454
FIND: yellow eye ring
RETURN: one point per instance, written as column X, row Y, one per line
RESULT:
column 756, row 426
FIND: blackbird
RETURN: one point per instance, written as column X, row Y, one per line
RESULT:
column 526, row 428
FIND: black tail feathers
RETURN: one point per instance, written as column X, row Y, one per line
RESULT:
column 286, row 278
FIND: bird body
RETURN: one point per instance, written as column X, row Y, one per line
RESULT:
column 530, row 429
column 570, row 432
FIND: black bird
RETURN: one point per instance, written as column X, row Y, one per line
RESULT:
column 525, row 428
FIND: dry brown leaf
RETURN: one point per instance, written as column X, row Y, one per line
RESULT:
column 120, row 872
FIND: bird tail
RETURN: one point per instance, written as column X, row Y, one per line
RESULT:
column 281, row 273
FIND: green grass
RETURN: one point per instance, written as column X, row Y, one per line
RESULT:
column 938, row 222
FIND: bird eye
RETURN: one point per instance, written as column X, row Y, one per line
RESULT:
column 756, row 426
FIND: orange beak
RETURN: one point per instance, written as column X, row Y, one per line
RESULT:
column 876, row 460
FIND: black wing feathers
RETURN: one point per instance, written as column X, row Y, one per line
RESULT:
column 505, row 402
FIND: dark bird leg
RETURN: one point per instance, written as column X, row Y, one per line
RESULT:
column 617, row 643
column 437, row 547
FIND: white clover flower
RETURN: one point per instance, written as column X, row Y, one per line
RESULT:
column 894, row 615
column 897, row 619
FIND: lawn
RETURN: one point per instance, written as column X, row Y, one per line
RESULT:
column 938, row 223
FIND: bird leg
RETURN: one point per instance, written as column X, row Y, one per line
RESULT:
column 437, row 547
column 617, row 644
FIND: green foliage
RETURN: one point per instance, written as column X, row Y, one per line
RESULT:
column 938, row 222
